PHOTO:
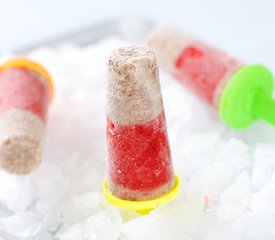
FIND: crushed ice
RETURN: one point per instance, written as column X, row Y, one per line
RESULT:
column 228, row 177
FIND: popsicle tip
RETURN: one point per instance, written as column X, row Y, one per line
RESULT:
column 20, row 142
column 122, row 60
column 20, row 155
column 133, row 88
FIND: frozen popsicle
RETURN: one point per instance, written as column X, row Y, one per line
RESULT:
column 140, row 168
column 241, row 93
column 25, row 91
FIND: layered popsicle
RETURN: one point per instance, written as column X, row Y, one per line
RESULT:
column 25, row 91
column 138, row 153
column 238, row 91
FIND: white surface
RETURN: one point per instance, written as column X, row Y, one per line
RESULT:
column 245, row 28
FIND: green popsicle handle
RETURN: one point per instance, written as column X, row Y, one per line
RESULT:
column 264, row 107
column 248, row 96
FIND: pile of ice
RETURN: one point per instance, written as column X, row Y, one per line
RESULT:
column 228, row 178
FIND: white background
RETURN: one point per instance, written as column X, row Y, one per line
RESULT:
column 246, row 28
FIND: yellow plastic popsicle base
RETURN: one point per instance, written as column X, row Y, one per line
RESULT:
column 22, row 62
column 142, row 207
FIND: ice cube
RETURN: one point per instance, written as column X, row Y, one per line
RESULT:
column 263, row 201
column 41, row 236
column 49, row 182
column 70, row 232
column 14, row 188
column 128, row 215
column 226, row 232
column 4, row 236
column 259, row 224
column 174, row 221
column 206, row 222
column 89, row 203
column 105, row 225
column 265, row 155
column 51, row 213
column 22, row 224
column 4, row 211
column 209, row 181
column 238, row 190
column 89, row 200
column 236, row 152
column 195, row 151
column 82, row 206
column 260, row 175
column 228, row 212
column 263, row 164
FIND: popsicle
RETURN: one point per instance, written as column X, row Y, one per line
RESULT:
column 26, row 89
column 240, row 93
column 140, row 173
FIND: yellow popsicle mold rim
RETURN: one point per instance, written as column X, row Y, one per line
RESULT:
column 142, row 207
column 32, row 65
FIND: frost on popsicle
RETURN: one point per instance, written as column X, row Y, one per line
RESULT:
column 24, row 96
column 241, row 93
column 139, row 158
column 202, row 68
